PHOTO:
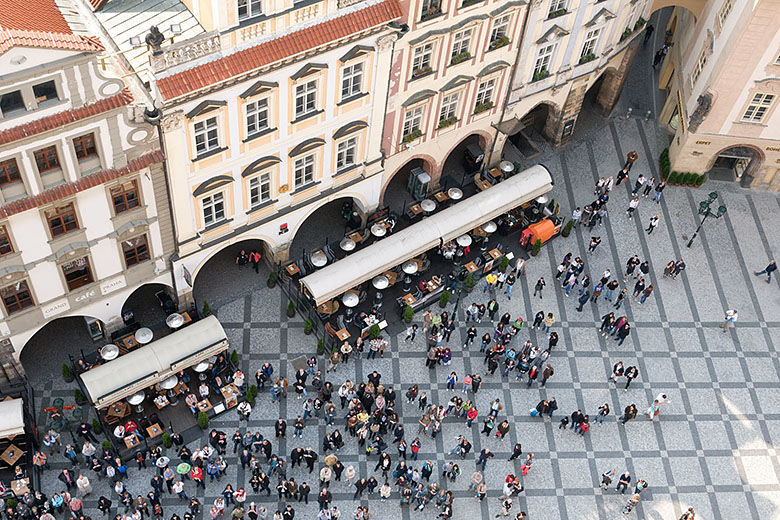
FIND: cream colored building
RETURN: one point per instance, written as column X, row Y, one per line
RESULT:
column 451, row 73
column 269, row 112
column 723, row 81
column 569, row 47
column 84, row 217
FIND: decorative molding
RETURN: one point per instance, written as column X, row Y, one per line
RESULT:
column 417, row 97
column 384, row 42
column 187, row 51
column 449, row 29
column 506, row 6
column 258, row 87
column 204, row 107
column 307, row 145
column 213, row 183
column 260, row 164
column 307, row 70
column 349, row 128
column 172, row 121
column 359, row 50
column 603, row 12
column 552, row 34
column 456, row 82
column 493, row 67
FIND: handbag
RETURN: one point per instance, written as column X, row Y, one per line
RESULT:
column 534, row 412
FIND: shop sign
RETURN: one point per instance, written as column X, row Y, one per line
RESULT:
column 86, row 296
column 112, row 285
column 55, row 308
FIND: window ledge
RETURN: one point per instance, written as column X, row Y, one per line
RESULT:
column 68, row 236
column 346, row 169
column 351, row 98
column 430, row 17
column 750, row 123
column 259, row 134
column 261, row 206
column 304, row 188
column 128, row 212
column 307, row 116
column 215, row 225
column 423, row 75
column 210, row 153
column 13, row 255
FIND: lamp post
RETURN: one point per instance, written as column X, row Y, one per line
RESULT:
column 705, row 209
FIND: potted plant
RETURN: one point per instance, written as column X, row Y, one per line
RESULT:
column 639, row 23
column 540, row 75
column 536, row 247
column 499, row 42
column 444, row 123
column 290, row 309
column 374, row 331
column 503, row 264
column 11, row 503
column 664, row 164
column 411, row 136
column 458, row 58
column 106, row 445
column 408, row 314
column 166, row 440
column 567, row 228
column 588, row 57
column 483, row 107
column 234, row 358
column 206, row 308
column 97, row 427
column 271, row 280
column 700, row 180
column 307, row 327
column 469, row 282
column 67, row 373
column 78, row 396
column 672, row 179
column 444, row 299
column 625, row 34
column 203, row 420
column 320, row 347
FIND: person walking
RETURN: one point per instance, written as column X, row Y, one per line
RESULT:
column 617, row 371
column 538, row 287
column 620, row 297
column 630, row 374
column 731, row 317
column 640, row 181
column 632, row 502
column 606, row 479
column 583, row 299
column 646, row 293
column 649, row 185
column 411, row 333
column 631, row 158
column 659, row 190
column 768, row 270
column 575, row 216
column 648, row 33
column 653, row 224
column 529, row 461
column 547, row 374
column 549, row 320
column 679, row 267
column 632, row 205
column 629, row 413
column 594, row 243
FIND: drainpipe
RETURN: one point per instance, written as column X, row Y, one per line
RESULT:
column 511, row 78
column 400, row 30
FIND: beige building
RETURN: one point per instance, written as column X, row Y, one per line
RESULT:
column 569, row 49
column 722, row 77
column 84, row 218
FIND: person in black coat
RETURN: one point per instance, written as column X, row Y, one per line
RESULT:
column 280, row 428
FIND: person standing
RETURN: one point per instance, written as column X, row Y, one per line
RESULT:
column 411, row 333
column 632, row 502
column 538, row 287
column 242, row 259
column 768, row 270
column 631, row 373
column 625, row 480
column 547, row 374
column 679, row 267
column 583, row 299
column 629, row 413
column 620, row 297
column 630, row 266
column 640, row 181
column 659, row 191
column 529, row 461
column 606, row 478
column 653, row 224
column 731, row 317
column 646, row 293
column 632, row 205
column 648, row 187
column 631, row 158
column 575, row 216
column 594, row 243
column 617, row 371
column 648, row 33
column 621, row 176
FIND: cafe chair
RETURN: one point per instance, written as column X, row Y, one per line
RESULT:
column 329, row 253
column 58, row 403
column 417, row 293
column 500, row 246
column 363, row 296
column 340, row 322
column 330, row 330
column 425, row 266
column 307, row 262
column 478, row 261
column 302, row 268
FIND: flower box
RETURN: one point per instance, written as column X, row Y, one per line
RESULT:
column 482, row 107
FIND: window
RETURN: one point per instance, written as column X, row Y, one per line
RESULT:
column 591, row 39
column 85, row 146
column 304, row 171
column 758, row 107
column 460, row 44
column 9, row 172
column 305, row 98
column 421, row 63
column 259, row 189
column 413, row 121
column 213, row 209
column 45, row 92
column 485, row 92
column 17, row 297
column 449, row 107
column 430, row 8
column 135, row 250
column 346, row 153
column 62, row 220
column 125, row 197
column 724, row 12
column 47, row 159
column 352, row 80
column 77, row 273
column 500, row 28
column 5, row 242
column 249, row 8
column 698, row 67
column 256, row 116
column 556, row 6
column 11, row 103
column 543, row 58
column 206, row 136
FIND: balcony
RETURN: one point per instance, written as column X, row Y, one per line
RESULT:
column 186, row 51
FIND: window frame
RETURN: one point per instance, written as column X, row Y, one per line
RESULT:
column 138, row 258
column 59, row 212
column 758, row 107
column 264, row 178
column 302, row 164
column 350, row 75
column 16, row 111
column 252, row 109
column 590, row 42
column 541, row 56
column 6, row 244
column 42, row 153
column 555, row 6
column 423, row 60
column 306, row 94
column 724, row 12
column 250, row 9
column 130, row 204
column 47, row 101
column 503, row 28
column 485, row 91
column 82, row 280
column 213, row 208
column 24, row 287
column 204, row 131
column 430, row 6
column 6, row 177
column 449, row 106
column 83, row 141
column 350, row 147
column 698, row 67
column 413, row 117
column 461, row 42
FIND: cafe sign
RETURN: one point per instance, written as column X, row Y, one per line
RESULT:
column 55, row 308
column 112, row 285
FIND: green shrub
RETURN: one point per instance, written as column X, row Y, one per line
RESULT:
column 234, row 358
column 252, row 391
column 166, row 440
column 290, row 309
column 672, row 179
column 482, row 107
column 411, row 136
column 106, row 445
column 536, row 247
column 374, row 331
column 503, row 264
column 203, row 420
column 271, row 279
column 499, row 42
column 11, row 503
column 470, row 280
column 97, row 427
column 408, row 314
column 463, row 56
column 444, row 299
column 567, row 228
column 588, row 57
column 701, row 180
column 320, row 347
column 307, row 326
column 78, row 396
column 67, row 374
column 206, row 309
column 444, row 123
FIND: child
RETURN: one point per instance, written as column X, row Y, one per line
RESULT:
column 564, row 423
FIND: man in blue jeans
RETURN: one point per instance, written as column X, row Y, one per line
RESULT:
column 484, row 456
column 768, row 270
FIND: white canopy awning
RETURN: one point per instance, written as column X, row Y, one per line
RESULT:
column 147, row 365
column 11, row 418
column 331, row 281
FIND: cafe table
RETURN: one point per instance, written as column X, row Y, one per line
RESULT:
column 441, row 197
column 343, row 334
column 204, row 405
column 20, row 486
column 131, row 441
column 471, row 267
column 416, row 209
column 119, row 410
column 408, row 299
column 328, row 307
column 495, row 254
column 292, row 269
column 154, row 430
column 12, row 455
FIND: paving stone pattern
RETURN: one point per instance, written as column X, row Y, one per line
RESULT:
column 713, row 447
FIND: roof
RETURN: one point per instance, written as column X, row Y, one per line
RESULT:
column 360, row 266
column 11, row 418
column 40, row 23
column 152, row 363
column 65, row 117
column 277, row 49
column 84, row 183
column 97, row 4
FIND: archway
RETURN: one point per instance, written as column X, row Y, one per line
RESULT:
column 529, row 135
column 149, row 305
column 736, row 163
column 45, row 352
column 219, row 279
column 598, row 102
column 396, row 194
column 461, row 161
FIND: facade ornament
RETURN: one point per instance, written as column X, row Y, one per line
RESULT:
column 172, row 121
column 155, row 40
column 704, row 103
column 384, row 42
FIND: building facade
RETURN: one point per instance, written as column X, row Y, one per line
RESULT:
column 84, row 217
column 451, row 72
column 569, row 48
column 723, row 81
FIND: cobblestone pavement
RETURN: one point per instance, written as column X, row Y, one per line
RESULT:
column 713, row 447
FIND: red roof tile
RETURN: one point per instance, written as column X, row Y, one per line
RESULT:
column 48, row 40
column 97, row 4
column 90, row 181
column 308, row 38
column 59, row 119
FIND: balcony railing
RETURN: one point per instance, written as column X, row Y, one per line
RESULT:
column 186, row 51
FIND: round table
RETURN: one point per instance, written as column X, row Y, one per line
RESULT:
column 542, row 199
column 201, row 368
column 350, row 299
column 455, row 193
column 381, row 282
column 489, row 227
column 144, row 335
column 169, row 384
column 506, row 167
column 464, row 240
column 409, row 267
column 347, row 244
column 428, row 205
column 174, row 321
column 378, row 231
column 319, row 259
column 109, row 352
column 136, row 399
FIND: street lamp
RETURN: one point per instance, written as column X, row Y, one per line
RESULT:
column 704, row 209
